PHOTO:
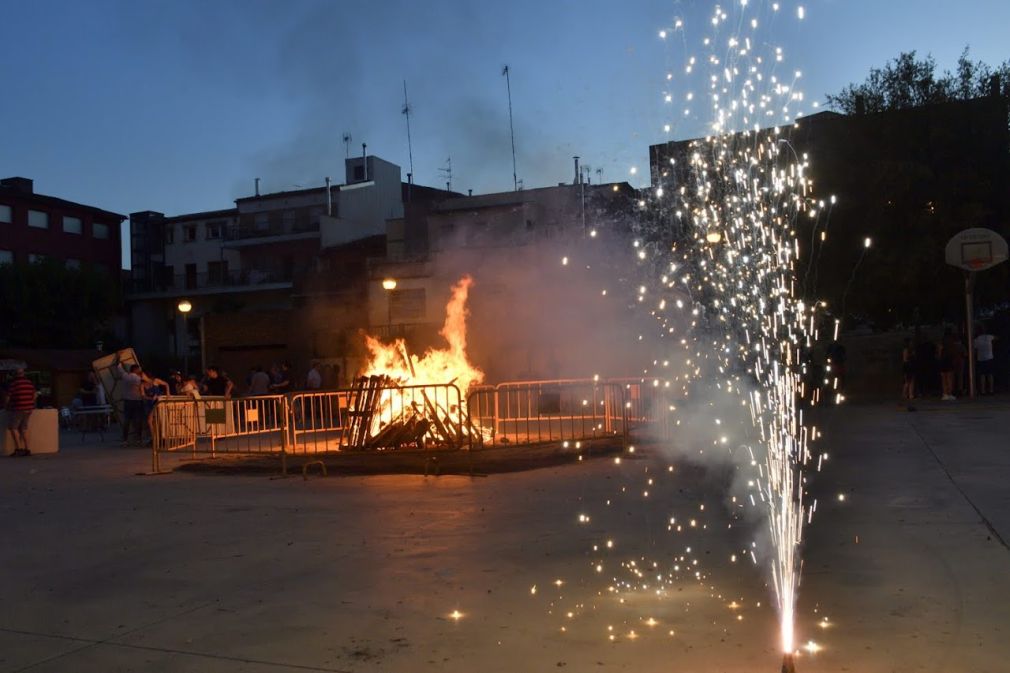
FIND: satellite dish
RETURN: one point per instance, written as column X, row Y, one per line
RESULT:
column 976, row 249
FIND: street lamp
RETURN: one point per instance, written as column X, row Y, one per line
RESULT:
column 184, row 308
column 389, row 284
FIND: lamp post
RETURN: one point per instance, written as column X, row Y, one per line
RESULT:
column 389, row 284
column 184, row 308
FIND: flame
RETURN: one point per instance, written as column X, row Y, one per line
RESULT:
column 434, row 367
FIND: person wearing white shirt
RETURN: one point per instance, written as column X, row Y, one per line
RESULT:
column 313, row 380
column 985, row 362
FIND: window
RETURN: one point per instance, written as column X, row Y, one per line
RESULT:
column 217, row 272
column 71, row 225
column 35, row 258
column 6, row 216
column 38, row 219
column 73, row 264
column 99, row 230
column 189, row 233
column 407, row 305
column 170, row 234
column 214, row 230
column 6, row 257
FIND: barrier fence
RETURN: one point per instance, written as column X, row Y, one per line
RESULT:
column 530, row 412
column 374, row 415
column 378, row 417
column 215, row 425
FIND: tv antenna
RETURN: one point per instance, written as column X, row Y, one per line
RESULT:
column 347, row 145
column 406, row 113
column 512, row 130
column 447, row 174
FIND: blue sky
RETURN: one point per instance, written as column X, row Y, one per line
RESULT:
column 177, row 105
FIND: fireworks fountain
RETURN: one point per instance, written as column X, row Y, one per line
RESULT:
column 732, row 203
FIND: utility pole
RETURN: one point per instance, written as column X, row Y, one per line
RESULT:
column 512, row 130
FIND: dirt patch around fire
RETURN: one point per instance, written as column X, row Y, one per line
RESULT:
column 497, row 460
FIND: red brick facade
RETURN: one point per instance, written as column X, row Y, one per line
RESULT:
column 88, row 246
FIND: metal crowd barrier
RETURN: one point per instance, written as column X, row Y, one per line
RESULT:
column 215, row 425
column 531, row 412
column 379, row 417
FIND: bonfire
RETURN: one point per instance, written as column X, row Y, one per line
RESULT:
column 411, row 399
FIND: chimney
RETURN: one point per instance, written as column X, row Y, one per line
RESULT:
column 23, row 185
column 994, row 86
column 257, row 186
column 329, row 198
column 364, row 159
column 469, row 192
column 860, row 105
column 578, row 176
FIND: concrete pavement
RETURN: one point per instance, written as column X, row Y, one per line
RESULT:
column 109, row 571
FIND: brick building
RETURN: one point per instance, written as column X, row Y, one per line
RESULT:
column 34, row 226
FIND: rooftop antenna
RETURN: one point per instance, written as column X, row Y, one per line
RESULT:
column 447, row 174
column 347, row 145
column 406, row 113
column 512, row 130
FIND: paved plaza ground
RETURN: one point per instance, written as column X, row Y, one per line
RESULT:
column 106, row 570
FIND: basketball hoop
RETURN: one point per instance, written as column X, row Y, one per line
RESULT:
column 974, row 250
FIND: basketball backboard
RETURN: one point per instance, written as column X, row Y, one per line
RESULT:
column 976, row 249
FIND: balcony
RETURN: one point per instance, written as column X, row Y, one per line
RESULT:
column 243, row 280
column 245, row 233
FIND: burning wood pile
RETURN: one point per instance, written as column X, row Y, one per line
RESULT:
column 403, row 399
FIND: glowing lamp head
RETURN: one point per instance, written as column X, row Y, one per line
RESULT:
column 185, row 306
column 713, row 237
column 389, row 284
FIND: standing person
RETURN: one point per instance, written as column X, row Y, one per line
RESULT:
column 133, row 401
column 947, row 360
column 282, row 379
column 313, row 380
column 259, row 383
column 20, row 402
column 985, row 364
column 217, row 383
column 154, row 388
column 189, row 387
column 175, row 383
column 908, row 371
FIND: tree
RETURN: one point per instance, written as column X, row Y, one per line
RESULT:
column 937, row 162
column 908, row 82
column 48, row 305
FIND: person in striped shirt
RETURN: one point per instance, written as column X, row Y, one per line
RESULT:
column 20, row 402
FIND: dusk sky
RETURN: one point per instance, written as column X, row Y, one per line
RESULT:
column 177, row 106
